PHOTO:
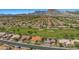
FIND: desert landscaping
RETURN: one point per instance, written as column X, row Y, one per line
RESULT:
column 50, row 28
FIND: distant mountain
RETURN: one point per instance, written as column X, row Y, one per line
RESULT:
column 40, row 19
column 38, row 13
column 71, row 13
column 51, row 12
column 56, row 12
column 75, row 12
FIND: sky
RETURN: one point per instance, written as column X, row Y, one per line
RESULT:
column 26, row 11
column 19, row 11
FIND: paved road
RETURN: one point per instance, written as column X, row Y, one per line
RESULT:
column 33, row 46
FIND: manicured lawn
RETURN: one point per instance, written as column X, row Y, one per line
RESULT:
column 54, row 33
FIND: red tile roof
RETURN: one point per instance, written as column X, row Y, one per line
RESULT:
column 34, row 38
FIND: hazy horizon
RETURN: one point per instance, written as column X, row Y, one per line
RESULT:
column 26, row 11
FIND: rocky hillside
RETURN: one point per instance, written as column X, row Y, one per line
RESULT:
column 41, row 19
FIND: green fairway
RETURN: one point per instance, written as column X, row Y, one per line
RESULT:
column 70, row 33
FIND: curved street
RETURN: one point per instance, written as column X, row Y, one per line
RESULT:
column 33, row 46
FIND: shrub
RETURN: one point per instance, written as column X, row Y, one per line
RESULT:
column 76, row 44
